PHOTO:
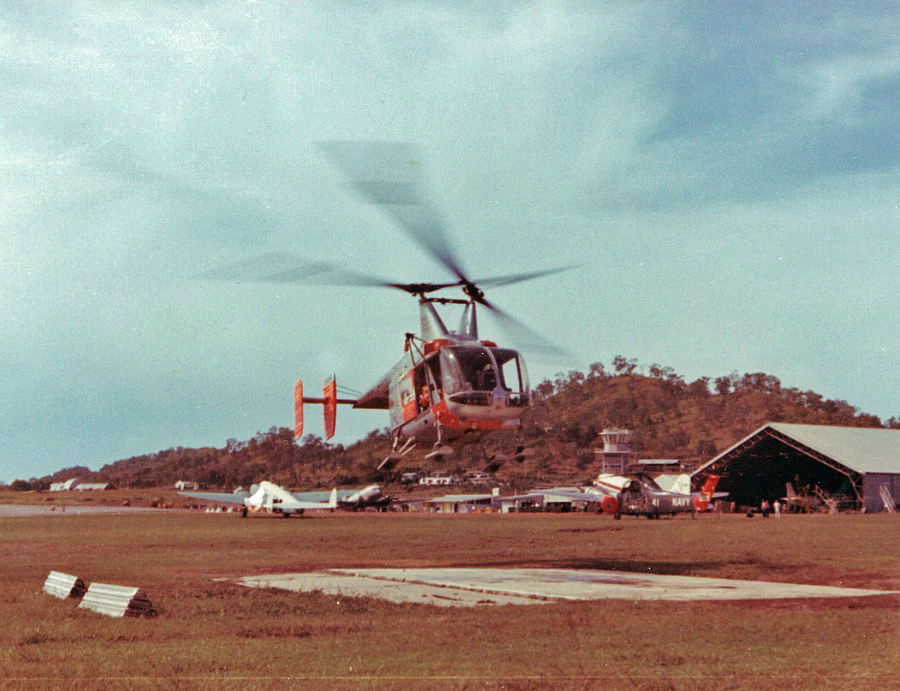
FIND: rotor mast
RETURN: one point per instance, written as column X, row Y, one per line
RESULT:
column 432, row 326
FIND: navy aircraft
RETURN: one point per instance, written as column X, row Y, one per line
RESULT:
column 642, row 496
column 639, row 495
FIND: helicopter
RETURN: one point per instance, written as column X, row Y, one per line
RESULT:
column 448, row 382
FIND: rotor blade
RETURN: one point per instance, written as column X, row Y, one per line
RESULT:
column 498, row 281
column 266, row 267
column 523, row 335
column 388, row 174
column 284, row 267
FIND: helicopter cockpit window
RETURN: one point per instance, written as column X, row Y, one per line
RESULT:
column 513, row 374
column 467, row 368
column 474, row 372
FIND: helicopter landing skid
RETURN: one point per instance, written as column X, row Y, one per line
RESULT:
column 396, row 454
column 440, row 452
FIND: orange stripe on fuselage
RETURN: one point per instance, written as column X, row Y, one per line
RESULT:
column 450, row 421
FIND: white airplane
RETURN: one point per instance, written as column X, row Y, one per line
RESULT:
column 269, row 497
column 275, row 499
column 362, row 498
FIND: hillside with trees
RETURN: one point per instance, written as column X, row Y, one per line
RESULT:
column 670, row 418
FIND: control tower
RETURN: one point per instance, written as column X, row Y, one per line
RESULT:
column 615, row 457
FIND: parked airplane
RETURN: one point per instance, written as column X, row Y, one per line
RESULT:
column 353, row 500
column 800, row 503
column 268, row 497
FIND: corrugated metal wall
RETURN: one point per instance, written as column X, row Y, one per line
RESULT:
column 872, row 483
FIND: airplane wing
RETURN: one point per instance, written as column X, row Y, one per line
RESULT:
column 606, row 503
column 609, row 484
column 223, row 497
column 305, row 500
column 590, row 497
column 348, row 498
column 321, row 496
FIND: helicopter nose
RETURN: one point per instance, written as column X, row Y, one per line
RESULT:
column 499, row 398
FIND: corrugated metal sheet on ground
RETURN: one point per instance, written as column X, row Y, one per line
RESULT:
column 63, row 585
column 117, row 601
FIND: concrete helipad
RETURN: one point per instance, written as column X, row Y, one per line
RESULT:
column 487, row 586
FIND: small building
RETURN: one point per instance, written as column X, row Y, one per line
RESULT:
column 66, row 486
column 460, row 503
column 861, row 464
column 522, row 503
column 186, row 485
column 91, row 486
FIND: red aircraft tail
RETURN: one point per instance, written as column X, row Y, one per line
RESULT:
column 701, row 503
column 329, row 403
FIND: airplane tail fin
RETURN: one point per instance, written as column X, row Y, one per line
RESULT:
column 701, row 503
column 332, row 500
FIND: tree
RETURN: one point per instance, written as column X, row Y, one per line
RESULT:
column 699, row 387
column 575, row 377
column 596, row 371
column 544, row 389
column 623, row 365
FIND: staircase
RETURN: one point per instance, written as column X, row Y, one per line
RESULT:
column 887, row 499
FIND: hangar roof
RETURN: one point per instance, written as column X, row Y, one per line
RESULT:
column 863, row 449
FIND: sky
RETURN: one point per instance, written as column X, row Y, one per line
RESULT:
column 724, row 176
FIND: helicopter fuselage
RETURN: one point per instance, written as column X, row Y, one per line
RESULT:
column 452, row 387
column 445, row 385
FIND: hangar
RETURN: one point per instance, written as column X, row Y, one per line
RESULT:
column 859, row 464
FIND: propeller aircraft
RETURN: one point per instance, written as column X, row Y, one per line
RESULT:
column 448, row 382
column 268, row 497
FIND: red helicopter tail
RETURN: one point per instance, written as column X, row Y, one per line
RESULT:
column 329, row 403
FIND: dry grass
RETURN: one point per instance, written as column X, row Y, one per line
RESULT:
column 112, row 497
column 214, row 634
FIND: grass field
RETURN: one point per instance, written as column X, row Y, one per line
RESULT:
column 213, row 634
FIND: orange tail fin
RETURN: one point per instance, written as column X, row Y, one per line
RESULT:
column 701, row 503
